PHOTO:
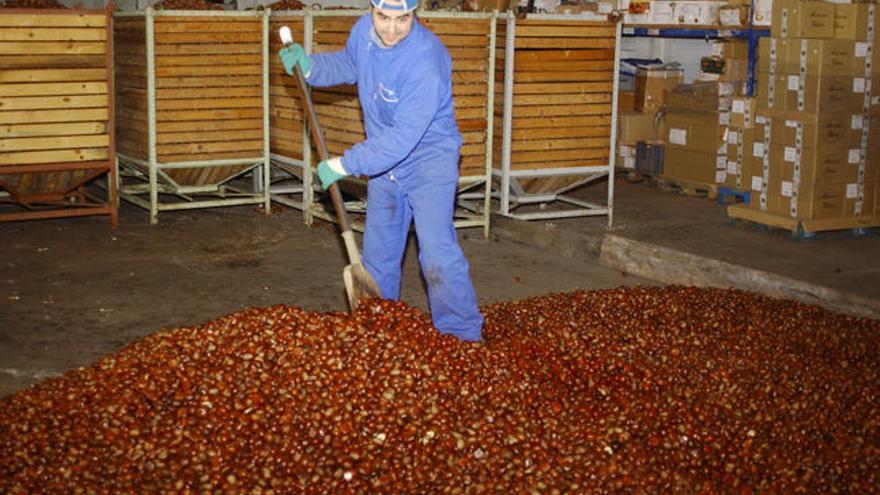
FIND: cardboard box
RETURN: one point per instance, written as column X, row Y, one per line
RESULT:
column 694, row 131
column 733, row 15
column 689, row 165
column 737, row 148
column 626, row 101
column 723, row 69
column 711, row 96
column 843, row 94
column 802, row 19
column 635, row 126
column 820, row 57
column 851, row 21
column 626, row 157
column 823, row 164
column 840, row 130
column 735, row 49
column 652, row 86
column 742, row 112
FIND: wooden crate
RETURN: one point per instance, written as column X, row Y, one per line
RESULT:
column 286, row 118
column 338, row 107
column 56, row 111
column 562, row 90
column 209, row 100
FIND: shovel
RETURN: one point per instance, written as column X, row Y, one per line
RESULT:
column 358, row 282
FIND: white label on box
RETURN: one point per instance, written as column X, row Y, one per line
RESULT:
column 720, row 162
column 861, row 49
column 739, row 106
column 731, row 167
column 791, row 123
column 733, row 138
column 629, row 162
column 758, row 150
column 858, row 121
column 790, row 154
column 757, row 183
column 760, row 119
column 858, row 85
column 794, row 83
column 787, row 188
column 729, row 17
column 720, row 176
column 724, row 118
column 678, row 136
column 854, row 155
column 852, row 191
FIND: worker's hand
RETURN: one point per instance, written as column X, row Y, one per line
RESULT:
column 331, row 171
column 292, row 55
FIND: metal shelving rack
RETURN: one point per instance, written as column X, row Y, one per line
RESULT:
column 750, row 32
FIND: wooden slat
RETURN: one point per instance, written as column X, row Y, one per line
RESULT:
column 561, row 76
column 211, row 70
column 562, row 99
column 53, row 34
column 207, row 82
column 561, row 110
column 54, row 143
column 207, row 49
column 169, row 158
column 563, row 132
column 208, row 125
column 455, row 26
column 37, row 116
column 560, row 122
column 473, row 149
column 197, row 148
column 53, row 47
column 202, row 137
column 32, row 130
column 563, row 31
column 52, row 20
column 339, row 112
column 30, row 61
column 174, row 38
column 547, row 156
column 174, row 25
column 35, row 89
column 549, row 56
column 53, row 102
column 196, row 93
column 54, row 156
column 561, row 88
column 469, row 113
column 49, row 75
column 208, row 103
column 471, row 102
column 562, row 65
column 181, row 115
column 566, row 43
column 555, row 24
column 559, row 144
column 196, row 60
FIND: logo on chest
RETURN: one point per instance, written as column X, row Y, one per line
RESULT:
column 387, row 94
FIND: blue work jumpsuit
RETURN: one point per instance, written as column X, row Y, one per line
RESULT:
column 411, row 157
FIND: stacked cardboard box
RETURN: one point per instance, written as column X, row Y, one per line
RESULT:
column 814, row 153
column 644, row 121
column 698, row 135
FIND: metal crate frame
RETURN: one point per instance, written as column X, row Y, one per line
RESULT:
column 511, row 194
column 150, row 175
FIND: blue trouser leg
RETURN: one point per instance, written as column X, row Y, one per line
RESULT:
column 450, row 290
column 385, row 232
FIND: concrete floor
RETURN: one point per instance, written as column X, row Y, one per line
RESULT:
column 72, row 290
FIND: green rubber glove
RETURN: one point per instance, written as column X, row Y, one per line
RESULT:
column 292, row 55
column 330, row 171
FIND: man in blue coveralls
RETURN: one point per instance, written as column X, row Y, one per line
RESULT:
column 404, row 78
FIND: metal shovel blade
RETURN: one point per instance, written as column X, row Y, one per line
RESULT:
column 358, row 285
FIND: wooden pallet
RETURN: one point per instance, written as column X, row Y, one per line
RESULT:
column 688, row 188
column 804, row 229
